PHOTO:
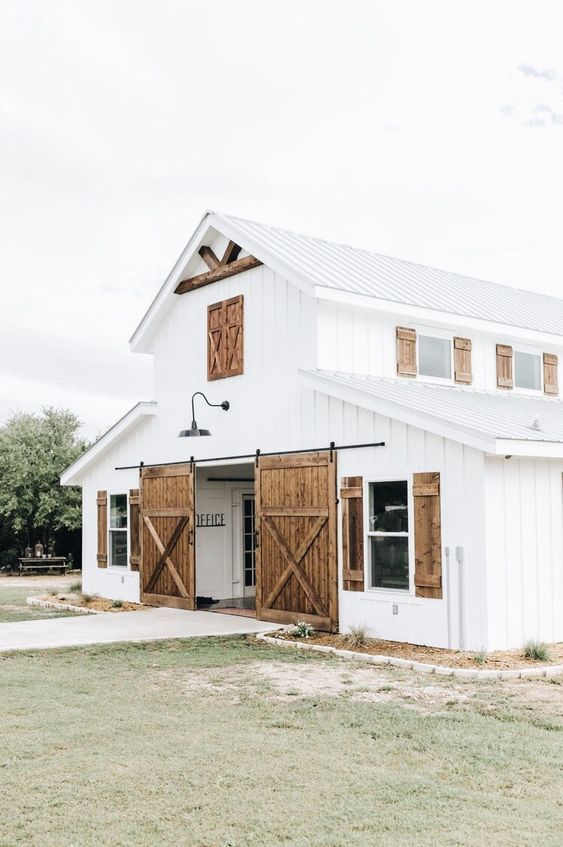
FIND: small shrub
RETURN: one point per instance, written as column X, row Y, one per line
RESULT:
column 88, row 598
column 480, row 657
column 536, row 650
column 357, row 636
column 301, row 630
column 75, row 587
column 117, row 604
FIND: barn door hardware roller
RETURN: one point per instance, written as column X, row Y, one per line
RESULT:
column 332, row 448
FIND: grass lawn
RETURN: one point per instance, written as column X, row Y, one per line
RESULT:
column 216, row 742
column 13, row 606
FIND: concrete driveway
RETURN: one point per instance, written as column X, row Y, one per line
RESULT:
column 145, row 625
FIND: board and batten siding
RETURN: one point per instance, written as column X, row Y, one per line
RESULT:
column 363, row 341
column 524, row 534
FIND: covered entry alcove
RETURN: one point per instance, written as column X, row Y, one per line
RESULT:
column 260, row 534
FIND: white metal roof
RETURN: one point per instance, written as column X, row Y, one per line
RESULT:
column 489, row 421
column 124, row 425
column 337, row 266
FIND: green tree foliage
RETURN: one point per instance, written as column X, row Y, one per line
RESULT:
column 34, row 451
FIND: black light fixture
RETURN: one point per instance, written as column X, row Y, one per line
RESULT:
column 194, row 429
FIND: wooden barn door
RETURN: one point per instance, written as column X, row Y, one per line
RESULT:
column 167, row 541
column 296, row 558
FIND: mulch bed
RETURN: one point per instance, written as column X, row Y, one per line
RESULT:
column 498, row 660
column 98, row 604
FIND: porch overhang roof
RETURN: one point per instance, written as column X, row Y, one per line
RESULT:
column 496, row 424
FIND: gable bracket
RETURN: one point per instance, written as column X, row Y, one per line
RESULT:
column 219, row 269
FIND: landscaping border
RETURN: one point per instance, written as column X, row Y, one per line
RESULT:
column 67, row 607
column 421, row 667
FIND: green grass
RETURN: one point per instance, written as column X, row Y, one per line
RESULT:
column 188, row 743
column 13, row 605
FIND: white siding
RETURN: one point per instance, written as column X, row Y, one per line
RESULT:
column 524, row 550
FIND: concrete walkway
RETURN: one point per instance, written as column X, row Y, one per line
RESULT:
column 147, row 625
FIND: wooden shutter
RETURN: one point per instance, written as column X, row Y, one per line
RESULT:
column 134, row 529
column 406, row 351
column 462, row 360
column 102, row 503
column 505, row 378
column 225, row 339
column 351, row 494
column 427, row 535
column 550, row 380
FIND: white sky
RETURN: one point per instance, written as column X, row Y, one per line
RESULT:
column 431, row 131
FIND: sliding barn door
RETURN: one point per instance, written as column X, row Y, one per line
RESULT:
column 168, row 541
column 296, row 559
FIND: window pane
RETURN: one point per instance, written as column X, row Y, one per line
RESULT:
column 388, row 507
column 527, row 370
column 389, row 562
column 118, row 511
column 434, row 356
column 118, row 549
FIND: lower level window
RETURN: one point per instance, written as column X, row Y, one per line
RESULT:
column 388, row 535
column 118, row 530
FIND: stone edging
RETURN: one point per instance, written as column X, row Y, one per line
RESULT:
column 463, row 673
column 67, row 607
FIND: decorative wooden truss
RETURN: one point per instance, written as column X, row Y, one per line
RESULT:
column 219, row 269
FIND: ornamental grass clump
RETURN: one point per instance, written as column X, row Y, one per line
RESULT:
column 357, row 636
column 302, row 629
column 536, row 650
column 75, row 587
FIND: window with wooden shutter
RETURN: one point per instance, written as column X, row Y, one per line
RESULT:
column 427, row 535
column 505, row 378
column 550, row 378
column 406, row 351
column 225, row 338
column 462, row 361
column 134, row 529
column 351, row 495
column 102, row 506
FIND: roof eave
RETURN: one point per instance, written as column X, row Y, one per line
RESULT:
column 72, row 475
column 523, row 447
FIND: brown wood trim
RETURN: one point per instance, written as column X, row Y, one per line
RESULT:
column 180, row 469
column 280, row 616
column 209, row 257
column 231, row 253
column 134, row 529
column 505, row 374
column 297, row 460
column 351, row 494
column 221, row 272
column 167, row 600
column 102, row 520
column 550, row 375
column 293, row 511
column 167, row 513
column 427, row 535
column 406, row 351
column 463, row 370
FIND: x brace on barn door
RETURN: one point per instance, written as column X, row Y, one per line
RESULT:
column 256, row 455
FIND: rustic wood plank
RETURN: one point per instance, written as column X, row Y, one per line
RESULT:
column 406, row 351
column 231, row 253
column 505, row 377
column 427, row 535
column 351, row 493
column 102, row 515
column 550, row 376
column 165, row 552
column 219, row 273
column 134, row 529
column 463, row 370
column 209, row 257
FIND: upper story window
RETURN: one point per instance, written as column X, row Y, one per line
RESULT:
column 118, row 530
column 527, row 371
column 225, row 340
column 434, row 355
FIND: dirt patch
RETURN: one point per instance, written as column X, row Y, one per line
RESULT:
column 97, row 604
column 285, row 682
column 498, row 660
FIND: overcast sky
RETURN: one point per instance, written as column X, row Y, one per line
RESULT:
column 432, row 131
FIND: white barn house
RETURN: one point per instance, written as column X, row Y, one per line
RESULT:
column 448, row 533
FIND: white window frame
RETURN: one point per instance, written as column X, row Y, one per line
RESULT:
column 533, row 351
column 398, row 592
column 127, row 566
column 435, row 333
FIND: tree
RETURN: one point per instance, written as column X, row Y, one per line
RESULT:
column 34, row 451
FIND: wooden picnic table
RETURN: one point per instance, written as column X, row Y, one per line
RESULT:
column 29, row 563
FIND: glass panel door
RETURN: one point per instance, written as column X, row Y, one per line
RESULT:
column 248, row 548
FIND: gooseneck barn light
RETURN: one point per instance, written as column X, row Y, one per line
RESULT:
column 194, row 429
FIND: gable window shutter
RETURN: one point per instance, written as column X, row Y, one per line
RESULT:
column 406, row 351
column 462, row 361
column 134, row 529
column 505, row 378
column 550, row 378
column 351, row 495
column 427, row 535
column 102, row 505
column 225, row 340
